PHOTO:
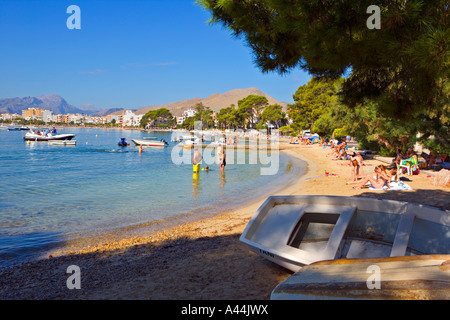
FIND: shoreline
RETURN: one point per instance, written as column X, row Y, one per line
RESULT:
column 199, row 260
column 140, row 233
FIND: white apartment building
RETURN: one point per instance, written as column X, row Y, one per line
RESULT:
column 186, row 114
column 129, row 119
column 47, row 116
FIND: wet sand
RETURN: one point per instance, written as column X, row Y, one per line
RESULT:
column 197, row 260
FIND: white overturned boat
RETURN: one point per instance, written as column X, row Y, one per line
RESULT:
column 31, row 136
column 296, row 231
column 150, row 143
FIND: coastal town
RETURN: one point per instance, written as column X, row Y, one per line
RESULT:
column 126, row 118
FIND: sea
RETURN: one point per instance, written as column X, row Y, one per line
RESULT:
column 51, row 195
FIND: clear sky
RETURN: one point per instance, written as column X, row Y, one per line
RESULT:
column 127, row 54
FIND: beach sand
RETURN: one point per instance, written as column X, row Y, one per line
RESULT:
column 199, row 260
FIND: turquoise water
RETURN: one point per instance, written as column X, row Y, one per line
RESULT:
column 52, row 194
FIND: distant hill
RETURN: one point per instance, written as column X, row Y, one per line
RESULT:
column 215, row 102
column 52, row 102
column 58, row 105
column 104, row 113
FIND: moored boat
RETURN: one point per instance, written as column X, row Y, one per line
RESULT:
column 63, row 142
column 19, row 129
column 150, row 143
column 33, row 136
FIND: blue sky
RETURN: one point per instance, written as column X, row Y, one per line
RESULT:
column 128, row 54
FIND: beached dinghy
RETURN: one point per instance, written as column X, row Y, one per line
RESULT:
column 294, row 231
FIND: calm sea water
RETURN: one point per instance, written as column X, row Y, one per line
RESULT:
column 51, row 194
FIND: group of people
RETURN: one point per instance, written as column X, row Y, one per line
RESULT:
column 45, row 132
column 432, row 160
column 339, row 151
column 197, row 159
column 382, row 179
column 383, row 174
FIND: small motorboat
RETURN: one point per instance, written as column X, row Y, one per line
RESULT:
column 19, row 129
column 191, row 142
column 150, row 143
column 296, row 231
column 123, row 143
column 34, row 136
column 63, row 142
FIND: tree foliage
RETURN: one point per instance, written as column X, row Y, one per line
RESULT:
column 312, row 101
column 402, row 68
column 274, row 115
column 161, row 116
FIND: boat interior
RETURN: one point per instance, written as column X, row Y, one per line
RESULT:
column 294, row 231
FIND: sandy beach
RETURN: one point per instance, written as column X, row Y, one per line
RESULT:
column 199, row 260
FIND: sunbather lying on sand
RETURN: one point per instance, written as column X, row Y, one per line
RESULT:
column 382, row 179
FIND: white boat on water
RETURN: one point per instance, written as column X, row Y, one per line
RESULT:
column 150, row 143
column 190, row 142
column 297, row 231
column 63, row 142
column 34, row 136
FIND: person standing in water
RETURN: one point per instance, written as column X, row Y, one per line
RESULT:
column 196, row 161
column 223, row 161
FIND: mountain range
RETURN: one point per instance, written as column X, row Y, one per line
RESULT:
column 52, row 102
column 58, row 105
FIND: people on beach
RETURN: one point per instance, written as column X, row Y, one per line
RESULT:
column 381, row 180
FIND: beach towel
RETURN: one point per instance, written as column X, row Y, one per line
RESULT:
column 400, row 185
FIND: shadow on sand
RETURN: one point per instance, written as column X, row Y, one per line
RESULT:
column 219, row 268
